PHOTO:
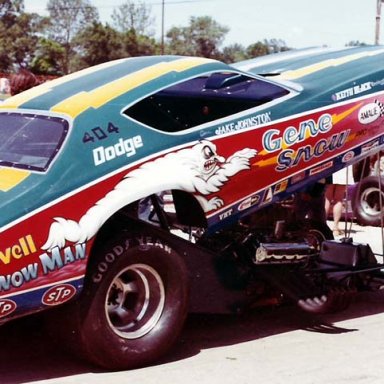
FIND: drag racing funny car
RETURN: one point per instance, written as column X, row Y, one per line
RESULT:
column 143, row 189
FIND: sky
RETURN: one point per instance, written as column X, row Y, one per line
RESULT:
column 300, row 23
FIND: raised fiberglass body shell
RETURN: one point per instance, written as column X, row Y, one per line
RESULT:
column 105, row 157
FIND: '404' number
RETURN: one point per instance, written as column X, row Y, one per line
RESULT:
column 99, row 133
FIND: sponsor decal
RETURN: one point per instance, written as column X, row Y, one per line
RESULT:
column 280, row 187
column 362, row 132
column 355, row 90
column 298, row 177
column 372, row 144
column 348, row 156
column 58, row 294
column 268, row 195
column 24, row 247
column 49, row 262
column 371, row 112
column 7, row 306
column 249, row 202
column 253, row 121
column 226, row 214
column 127, row 147
column 18, row 278
column 377, row 83
column 321, row 168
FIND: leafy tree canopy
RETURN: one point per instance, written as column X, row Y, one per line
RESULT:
column 68, row 18
column 48, row 58
column 18, row 34
column 97, row 44
column 355, row 43
column 202, row 37
column 72, row 37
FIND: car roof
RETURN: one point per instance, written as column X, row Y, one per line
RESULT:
column 295, row 64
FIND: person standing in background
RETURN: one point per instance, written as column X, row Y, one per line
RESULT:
column 4, row 86
column 335, row 194
column 22, row 81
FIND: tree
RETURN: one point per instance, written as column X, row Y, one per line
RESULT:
column 138, row 45
column 233, row 53
column 49, row 54
column 18, row 34
column 132, row 16
column 202, row 37
column 97, row 44
column 356, row 43
column 266, row 47
column 9, row 7
column 257, row 49
column 68, row 17
column 276, row 45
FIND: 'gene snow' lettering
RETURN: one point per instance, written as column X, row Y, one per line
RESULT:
column 275, row 139
column 289, row 158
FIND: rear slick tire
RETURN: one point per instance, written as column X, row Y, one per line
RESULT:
column 134, row 303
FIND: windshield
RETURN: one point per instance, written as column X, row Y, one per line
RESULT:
column 30, row 141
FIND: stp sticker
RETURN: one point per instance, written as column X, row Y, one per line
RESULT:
column 7, row 307
column 58, row 294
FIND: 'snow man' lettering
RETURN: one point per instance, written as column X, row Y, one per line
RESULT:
column 24, row 247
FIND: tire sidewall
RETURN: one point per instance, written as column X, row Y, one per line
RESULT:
column 314, row 228
column 363, row 217
column 103, row 345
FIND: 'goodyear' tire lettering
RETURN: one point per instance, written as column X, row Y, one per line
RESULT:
column 144, row 242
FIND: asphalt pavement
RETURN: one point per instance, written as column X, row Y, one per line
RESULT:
column 364, row 235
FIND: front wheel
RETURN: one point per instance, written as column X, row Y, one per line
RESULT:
column 316, row 232
column 134, row 302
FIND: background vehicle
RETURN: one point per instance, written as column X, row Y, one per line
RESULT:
column 88, row 158
column 367, row 194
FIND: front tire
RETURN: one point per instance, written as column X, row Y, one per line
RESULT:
column 134, row 303
column 316, row 232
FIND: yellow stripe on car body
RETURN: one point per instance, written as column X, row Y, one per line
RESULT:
column 308, row 70
column 9, row 178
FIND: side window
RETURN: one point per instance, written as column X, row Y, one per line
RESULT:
column 203, row 99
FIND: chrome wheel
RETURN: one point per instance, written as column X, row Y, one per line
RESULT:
column 314, row 238
column 135, row 301
column 370, row 201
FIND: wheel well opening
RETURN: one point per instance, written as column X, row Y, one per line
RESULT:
column 169, row 210
column 188, row 210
